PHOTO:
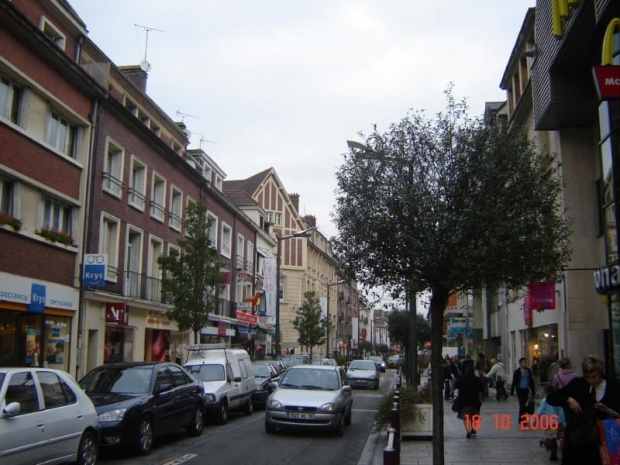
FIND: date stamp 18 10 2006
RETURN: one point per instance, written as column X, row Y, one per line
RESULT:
column 503, row 422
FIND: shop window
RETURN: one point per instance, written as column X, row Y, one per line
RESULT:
column 30, row 353
column 8, row 348
column 57, row 331
column 119, row 343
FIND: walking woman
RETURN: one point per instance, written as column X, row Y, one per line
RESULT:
column 585, row 400
column 468, row 400
column 523, row 382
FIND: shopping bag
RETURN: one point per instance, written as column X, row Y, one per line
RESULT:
column 530, row 407
column 609, row 432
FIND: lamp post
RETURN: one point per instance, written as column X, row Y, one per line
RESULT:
column 304, row 233
column 328, row 320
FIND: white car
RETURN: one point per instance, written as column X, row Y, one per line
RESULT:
column 311, row 397
column 45, row 418
column 363, row 373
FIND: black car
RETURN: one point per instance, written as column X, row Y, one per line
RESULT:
column 137, row 401
column 265, row 373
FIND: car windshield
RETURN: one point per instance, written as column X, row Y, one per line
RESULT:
column 2, row 376
column 310, row 378
column 261, row 371
column 376, row 359
column 207, row 372
column 118, row 380
column 362, row 365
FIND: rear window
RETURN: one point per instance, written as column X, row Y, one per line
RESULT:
column 118, row 380
column 362, row 365
column 207, row 372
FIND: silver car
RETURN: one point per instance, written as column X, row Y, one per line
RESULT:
column 313, row 397
column 363, row 373
column 45, row 418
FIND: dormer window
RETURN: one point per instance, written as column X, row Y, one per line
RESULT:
column 53, row 33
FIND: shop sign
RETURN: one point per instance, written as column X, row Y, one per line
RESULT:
column 560, row 12
column 37, row 298
column 247, row 317
column 607, row 279
column 242, row 275
column 542, row 295
column 221, row 328
column 117, row 312
column 242, row 329
column 607, row 76
column 94, row 270
column 259, row 284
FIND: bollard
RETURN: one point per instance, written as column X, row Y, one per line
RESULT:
column 389, row 453
column 395, row 422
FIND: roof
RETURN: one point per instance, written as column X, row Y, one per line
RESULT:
column 241, row 197
column 249, row 185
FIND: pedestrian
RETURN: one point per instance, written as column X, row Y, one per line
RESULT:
column 552, row 433
column 565, row 375
column 586, row 400
column 497, row 375
column 467, row 402
column 447, row 378
column 523, row 383
column 482, row 368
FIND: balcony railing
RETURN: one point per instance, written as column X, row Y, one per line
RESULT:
column 141, row 286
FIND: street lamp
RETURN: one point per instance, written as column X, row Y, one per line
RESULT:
column 328, row 320
column 304, row 233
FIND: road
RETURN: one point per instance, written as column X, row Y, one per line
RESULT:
column 243, row 440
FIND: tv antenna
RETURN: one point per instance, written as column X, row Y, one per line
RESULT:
column 202, row 139
column 185, row 115
column 145, row 65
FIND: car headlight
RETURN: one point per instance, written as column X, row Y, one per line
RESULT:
column 328, row 407
column 210, row 398
column 112, row 415
column 260, row 387
column 274, row 404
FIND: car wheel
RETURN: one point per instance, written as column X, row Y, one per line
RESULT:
column 197, row 422
column 221, row 417
column 339, row 431
column 347, row 418
column 269, row 428
column 249, row 407
column 144, row 440
column 87, row 450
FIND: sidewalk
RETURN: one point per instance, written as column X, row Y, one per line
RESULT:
column 492, row 445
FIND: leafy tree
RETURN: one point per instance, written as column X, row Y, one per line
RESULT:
column 309, row 323
column 192, row 278
column 447, row 204
column 398, row 328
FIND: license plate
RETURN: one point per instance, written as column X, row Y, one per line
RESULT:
column 361, row 381
column 299, row 416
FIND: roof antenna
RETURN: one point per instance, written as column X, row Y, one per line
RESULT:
column 145, row 65
column 202, row 139
column 185, row 115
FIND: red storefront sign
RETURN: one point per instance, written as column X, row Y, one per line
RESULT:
column 247, row 317
column 540, row 296
column 607, row 80
column 116, row 312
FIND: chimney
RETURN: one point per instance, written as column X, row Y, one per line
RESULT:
column 136, row 75
column 310, row 220
column 295, row 200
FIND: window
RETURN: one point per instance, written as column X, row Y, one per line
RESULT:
column 176, row 205
column 21, row 389
column 206, row 172
column 226, row 243
column 158, row 198
column 153, row 285
column 137, row 186
column 212, row 229
column 279, row 219
column 61, row 134
column 250, row 258
column 52, row 32
column 7, row 197
column 57, row 216
column 11, row 96
column 110, row 229
column 239, row 252
column 133, row 264
column 56, row 393
column 218, row 182
column 113, row 169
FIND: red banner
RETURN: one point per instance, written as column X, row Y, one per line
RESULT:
column 247, row 317
column 542, row 295
column 117, row 313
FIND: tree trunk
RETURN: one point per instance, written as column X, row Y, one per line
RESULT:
column 412, row 376
column 438, row 306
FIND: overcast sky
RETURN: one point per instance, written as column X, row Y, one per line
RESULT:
column 284, row 83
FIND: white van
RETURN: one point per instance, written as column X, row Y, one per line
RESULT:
column 228, row 378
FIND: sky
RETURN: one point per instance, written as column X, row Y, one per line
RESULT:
column 285, row 83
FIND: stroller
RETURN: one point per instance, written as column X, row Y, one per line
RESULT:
column 500, row 389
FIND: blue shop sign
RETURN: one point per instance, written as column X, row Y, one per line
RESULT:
column 94, row 270
column 37, row 298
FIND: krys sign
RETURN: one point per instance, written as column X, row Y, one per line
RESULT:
column 94, row 270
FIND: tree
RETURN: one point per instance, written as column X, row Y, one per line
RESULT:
column 309, row 323
column 447, row 204
column 398, row 328
column 192, row 277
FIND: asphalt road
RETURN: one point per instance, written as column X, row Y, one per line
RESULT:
column 243, row 440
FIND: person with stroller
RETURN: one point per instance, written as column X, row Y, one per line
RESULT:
column 551, row 435
column 497, row 376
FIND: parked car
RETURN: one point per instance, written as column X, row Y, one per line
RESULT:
column 395, row 361
column 363, row 373
column 379, row 361
column 313, row 397
column 265, row 373
column 292, row 360
column 228, row 379
column 45, row 418
column 137, row 401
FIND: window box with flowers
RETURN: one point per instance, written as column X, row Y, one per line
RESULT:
column 8, row 220
column 55, row 236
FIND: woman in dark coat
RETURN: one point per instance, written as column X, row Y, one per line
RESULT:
column 584, row 398
column 468, row 401
column 523, row 383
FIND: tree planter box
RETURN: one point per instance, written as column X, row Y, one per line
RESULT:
column 422, row 427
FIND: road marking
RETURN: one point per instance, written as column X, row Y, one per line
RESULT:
column 181, row 459
column 364, row 411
